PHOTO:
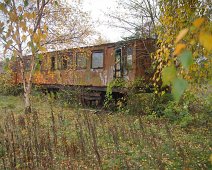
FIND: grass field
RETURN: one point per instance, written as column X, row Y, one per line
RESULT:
column 58, row 137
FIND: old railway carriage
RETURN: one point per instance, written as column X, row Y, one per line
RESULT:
column 93, row 67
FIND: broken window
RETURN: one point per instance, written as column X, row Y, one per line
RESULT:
column 118, row 63
column 53, row 63
column 97, row 59
column 39, row 65
column 129, row 58
column 70, row 62
column 64, row 62
column 81, row 61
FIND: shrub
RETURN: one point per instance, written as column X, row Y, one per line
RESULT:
column 69, row 97
column 193, row 108
column 140, row 103
column 7, row 87
column 178, row 113
column 160, row 103
column 110, row 102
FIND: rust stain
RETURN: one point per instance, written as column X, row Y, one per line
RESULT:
column 67, row 72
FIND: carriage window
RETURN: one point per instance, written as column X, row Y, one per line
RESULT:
column 81, row 61
column 39, row 65
column 64, row 64
column 53, row 66
column 129, row 57
column 97, row 59
column 27, row 65
column 70, row 60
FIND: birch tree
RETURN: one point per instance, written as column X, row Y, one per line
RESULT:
column 184, row 45
column 29, row 27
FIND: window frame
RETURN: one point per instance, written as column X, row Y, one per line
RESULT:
column 129, row 66
column 70, row 60
column 97, row 51
column 64, row 62
column 55, row 60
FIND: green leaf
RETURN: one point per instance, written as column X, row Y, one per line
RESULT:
column 7, row 1
column 40, row 56
column 168, row 74
column 2, row 6
column 178, row 87
column 20, row 17
column 38, row 66
column 6, row 64
column 186, row 59
column 26, row 3
column 56, row 3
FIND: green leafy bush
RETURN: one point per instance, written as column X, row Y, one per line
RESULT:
column 177, row 113
column 160, row 103
column 140, row 103
column 69, row 97
column 193, row 108
column 110, row 102
column 7, row 87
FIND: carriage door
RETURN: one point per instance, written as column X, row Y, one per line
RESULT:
column 118, row 68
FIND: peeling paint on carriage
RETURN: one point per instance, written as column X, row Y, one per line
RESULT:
column 74, row 66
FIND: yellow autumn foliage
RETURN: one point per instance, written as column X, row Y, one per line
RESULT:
column 198, row 22
column 181, row 35
column 205, row 39
column 179, row 49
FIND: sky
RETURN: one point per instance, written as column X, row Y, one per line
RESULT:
column 97, row 9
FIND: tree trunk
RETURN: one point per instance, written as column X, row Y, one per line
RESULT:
column 27, row 100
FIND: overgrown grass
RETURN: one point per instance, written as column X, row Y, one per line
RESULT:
column 55, row 137
column 8, row 103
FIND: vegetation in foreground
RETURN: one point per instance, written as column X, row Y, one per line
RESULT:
column 59, row 137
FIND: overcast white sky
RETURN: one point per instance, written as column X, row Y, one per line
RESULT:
column 97, row 9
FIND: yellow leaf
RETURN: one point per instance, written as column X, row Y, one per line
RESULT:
column 42, row 49
column 181, row 35
column 192, row 42
column 9, row 43
column 15, row 53
column 39, row 32
column 8, row 33
column 31, row 31
column 13, row 16
column 179, row 49
column 25, row 14
column 14, row 37
column 44, row 36
column 10, row 27
column 24, row 37
column 33, row 15
column 206, row 40
column 36, row 38
column 28, row 15
column 1, row 24
column 198, row 22
column 20, row 8
column 45, row 28
column 23, row 26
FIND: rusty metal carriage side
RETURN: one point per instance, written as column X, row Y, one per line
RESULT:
column 53, row 72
